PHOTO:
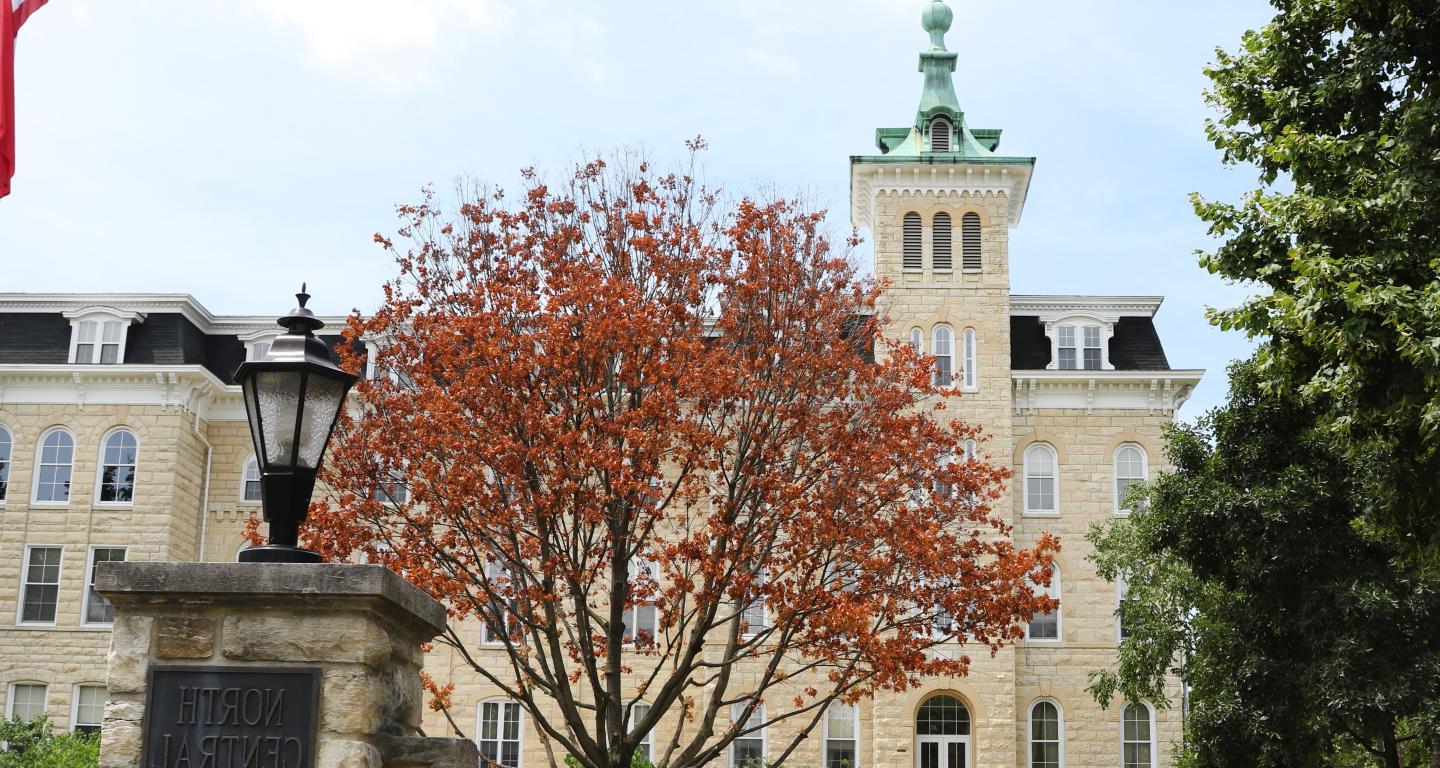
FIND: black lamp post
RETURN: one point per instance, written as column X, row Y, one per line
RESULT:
column 292, row 399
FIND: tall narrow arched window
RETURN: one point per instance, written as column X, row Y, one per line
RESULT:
column 250, row 481
column 5, row 445
column 970, row 240
column 640, row 710
column 1046, row 626
column 917, row 340
column 1137, row 737
column 1041, row 480
column 971, row 450
column 117, row 468
column 942, row 347
column 940, row 135
column 498, row 734
column 969, row 376
column 910, row 235
column 642, row 618
column 1129, row 469
column 842, row 734
column 940, row 241
column 56, row 462
column 749, row 747
column 1046, row 735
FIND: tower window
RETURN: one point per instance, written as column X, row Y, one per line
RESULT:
column 911, row 234
column 970, row 240
column 940, row 135
column 940, row 242
column 942, row 347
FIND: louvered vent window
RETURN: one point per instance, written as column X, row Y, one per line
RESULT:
column 911, row 232
column 939, row 135
column 940, row 238
column 970, row 240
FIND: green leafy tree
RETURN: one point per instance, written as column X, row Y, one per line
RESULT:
column 35, row 744
column 1303, row 637
column 1337, row 103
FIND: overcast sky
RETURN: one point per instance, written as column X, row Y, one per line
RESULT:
column 231, row 148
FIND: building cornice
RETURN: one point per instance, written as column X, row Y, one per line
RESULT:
column 144, row 303
column 191, row 388
column 1161, row 392
column 927, row 176
column 1121, row 306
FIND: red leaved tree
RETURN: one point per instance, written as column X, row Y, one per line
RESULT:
column 643, row 437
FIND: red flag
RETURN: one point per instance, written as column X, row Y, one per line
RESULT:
column 13, row 13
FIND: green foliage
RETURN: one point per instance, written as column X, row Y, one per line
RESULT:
column 1337, row 104
column 35, row 744
column 1301, row 634
column 637, row 760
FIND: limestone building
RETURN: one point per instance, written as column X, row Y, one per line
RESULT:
column 123, row 436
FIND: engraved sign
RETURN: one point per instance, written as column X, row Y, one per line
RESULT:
column 231, row 717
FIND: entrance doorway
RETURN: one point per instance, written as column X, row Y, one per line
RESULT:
column 942, row 733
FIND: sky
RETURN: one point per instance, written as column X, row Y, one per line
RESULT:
column 231, row 148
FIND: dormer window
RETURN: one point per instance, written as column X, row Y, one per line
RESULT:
column 1079, row 342
column 940, row 135
column 257, row 345
column 97, row 335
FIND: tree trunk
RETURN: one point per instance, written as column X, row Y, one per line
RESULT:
column 1389, row 746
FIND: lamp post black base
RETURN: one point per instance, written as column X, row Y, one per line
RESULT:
column 274, row 554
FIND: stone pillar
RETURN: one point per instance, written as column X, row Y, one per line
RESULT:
column 359, row 626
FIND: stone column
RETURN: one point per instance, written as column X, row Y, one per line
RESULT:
column 360, row 626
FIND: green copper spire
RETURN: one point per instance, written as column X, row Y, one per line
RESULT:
column 938, row 65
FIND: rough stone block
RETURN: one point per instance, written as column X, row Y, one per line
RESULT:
column 300, row 637
column 434, row 752
column 353, row 701
column 185, row 637
column 129, row 656
column 338, row 753
column 120, row 744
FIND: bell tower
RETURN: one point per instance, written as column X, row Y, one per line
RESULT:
column 939, row 200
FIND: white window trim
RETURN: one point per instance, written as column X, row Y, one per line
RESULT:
column 10, row 696
column 1149, row 711
column 1025, row 481
column 101, row 315
column 1115, row 473
column 934, row 352
column 632, row 614
column 90, row 579
column 1060, row 726
column 500, row 727
column 1079, row 320
column 251, row 340
column 917, row 340
column 75, row 703
column 745, row 634
column 100, row 470
column 1121, row 585
column 243, row 466
column 649, row 740
column 764, row 726
column 969, row 360
column 9, row 462
column 1052, row 591
column 825, row 733
column 24, row 582
column 35, row 502
column 485, row 638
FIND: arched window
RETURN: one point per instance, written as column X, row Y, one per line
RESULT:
column 940, row 135
column 842, row 736
column 971, row 450
column 749, row 747
column 1046, row 626
column 940, row 242
column 5, row 445
column 942, row 732
column 942, row 346
column 642, row 620
column 754, row 619
column 498, row 733
column 1046, row 735
column 25, row 702
column 917, row 340
column 971, row 378
column 1041, row 481
column 499, row 612
column 1130, row 468
column 939, row 485
column 1137, row 737
column 640, row 710
column 970, row 241
column 910, row 232
column 117, row 467
column 250, row 481
column 1122, row 598
column 57, row 460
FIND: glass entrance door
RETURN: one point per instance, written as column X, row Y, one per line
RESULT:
column 942, row 752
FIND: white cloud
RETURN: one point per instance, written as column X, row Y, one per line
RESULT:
column 387, row 41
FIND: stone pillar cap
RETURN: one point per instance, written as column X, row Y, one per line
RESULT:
column 299, row 586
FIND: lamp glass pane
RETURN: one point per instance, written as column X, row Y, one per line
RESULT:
column 278, row 396
column 323, row 396
column 252, row 407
